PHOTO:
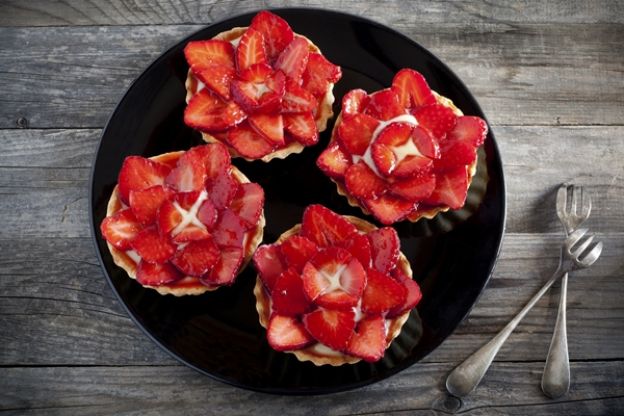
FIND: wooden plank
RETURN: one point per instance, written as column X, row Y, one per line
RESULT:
column 115, row 12
column 525, row 74
column 597, row 389
column 57, row 309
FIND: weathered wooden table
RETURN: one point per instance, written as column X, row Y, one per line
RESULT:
column 550, row 77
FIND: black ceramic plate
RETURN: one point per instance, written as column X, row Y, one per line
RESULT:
column 218, row 333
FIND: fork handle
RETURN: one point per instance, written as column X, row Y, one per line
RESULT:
column 467, row 375
column 556, row 377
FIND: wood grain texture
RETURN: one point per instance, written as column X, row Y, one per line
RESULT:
column 525, row 74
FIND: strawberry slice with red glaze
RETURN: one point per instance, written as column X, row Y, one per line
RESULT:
column 229, row 230
column 189, row 174
column 216, row 159
column 362, row 182
column 302, row 127
column 416, row 188
column 152, row 246
column 286, row 333
column 250, row 49
column 413, row 294
column 355, row 132
column 225, row 269
column 396, row 152
column 331, row 327
column 172, row 213
column 270, row 126
column 203, row 54
column 369, row 340
column 145, row 203
column 208, row 214
column 460, row 147
column 382, row 293
column 412, row 89
column 260, row 89
column 296, row 251
column 436, row 118
column 389, row 209
column 324, row 227
column 197, row 257
column 319, row 73
column 384, row 105
column 209, row 113
column 138, row 173
column 451, row 189
column 293, row 60
column 354, row 101
column 296, row 99
column 268, row 262
column 276, row 32
column 287, row 295
column 359, row 246
column 222, row 190
column 333, row 161
column 248, row 203
column 385, row 246
column 120, row 228
column 469, row 129
column 248, row 143
column 217, row 79
column 155, row 274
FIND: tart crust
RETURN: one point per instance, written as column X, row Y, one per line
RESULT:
column 263, row 306
column 188, row 285
column 323, row 113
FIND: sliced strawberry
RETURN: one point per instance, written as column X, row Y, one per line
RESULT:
column 248, row 203
column 416, row 188
column 120, row 228
column 184, row 208
column 355, row 132
column 296, row 251
column 324, row 227
column 359, row 246
column 216, row 159
column 296, row 99
column 385, row 246
column 413, row 294
column 286, row 333
column 138, row 173
column 455, row 154
column 334, row 279
column 268, row 262
column 250, row 49
column 369, row 340
column 270, row 126
column 204, row 54
column 209, row 113
column 221, row 190
column 362, row 182
column 389, row 209
column 260, row 90
column 145, row 203
column 248, row 143
column 436, row 118
column 155, row 274
column 217, row 79
column 276, row 32
column 293, row 60
column 319, row 73
column 333, row 161
column 190, row 172
column 302, row 128
column 469, row 129
column 384, row 105
column 382, row 293
column 197, row 257
column 412, row 89
column 225, row 269
column 426, row 143
column 287, row 295
column 229, row 230
column 451, row 189
column 354, row 101
column 330, row 327
column 152, row 246
column 208, row 214
column 395, row 152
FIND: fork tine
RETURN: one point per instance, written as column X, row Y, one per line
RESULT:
column 575, row 192
column 591, row 257
column 586, row 207
column 562, row 199
column 586, row 242
column 575, row 237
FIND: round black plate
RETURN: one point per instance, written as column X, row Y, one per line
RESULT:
column 218, row 333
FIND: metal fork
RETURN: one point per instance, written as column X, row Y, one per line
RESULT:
column 556, row 377
column 576, row 253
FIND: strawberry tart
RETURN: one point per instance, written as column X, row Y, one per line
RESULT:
column 403, row 152
column 334, row 289
column 183, row 223
column 262, row 90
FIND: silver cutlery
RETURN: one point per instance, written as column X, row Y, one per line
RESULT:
column 577, row 252
column 556, row 377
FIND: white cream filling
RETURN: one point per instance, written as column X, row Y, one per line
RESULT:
column 190, row 216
